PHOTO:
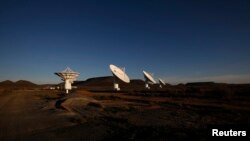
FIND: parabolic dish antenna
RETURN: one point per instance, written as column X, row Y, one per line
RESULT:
column 68, row 76
column 148, row 79
column 161, row 82
column 118, row 73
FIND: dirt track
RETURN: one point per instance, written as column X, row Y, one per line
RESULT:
column 22, row 114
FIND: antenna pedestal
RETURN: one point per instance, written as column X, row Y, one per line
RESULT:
column 67, row 85
column 147, row 86
column 116, row 87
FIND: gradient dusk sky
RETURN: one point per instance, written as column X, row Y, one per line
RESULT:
column 178, row 40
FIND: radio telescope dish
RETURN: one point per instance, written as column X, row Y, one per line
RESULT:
column 161, row 82
column 120, row 74
column 148, row 79
column 68, row 76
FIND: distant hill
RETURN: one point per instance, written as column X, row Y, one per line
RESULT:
column 137, row 82
column 17, row 84
column 7, row 83
column 105, row 81
column 200, row 84
column 24, row 83
column 96, row 81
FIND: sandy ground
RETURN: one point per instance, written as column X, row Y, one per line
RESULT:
column 82, row 115
column 25, row 113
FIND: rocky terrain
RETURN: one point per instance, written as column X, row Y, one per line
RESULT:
column 94, row 112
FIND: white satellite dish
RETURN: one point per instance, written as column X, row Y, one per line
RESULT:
column 148, row 79
column 68, row 76
column 120, row 74
column 161, row 82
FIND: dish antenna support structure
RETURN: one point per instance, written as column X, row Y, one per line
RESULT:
column 118, row 73
column 148, row 79
column 68, row 76
column 161, row 83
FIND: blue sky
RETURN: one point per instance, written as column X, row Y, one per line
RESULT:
column 179, row 41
